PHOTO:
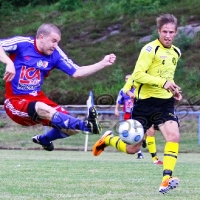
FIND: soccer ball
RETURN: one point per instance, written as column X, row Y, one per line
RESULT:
column 131, row 131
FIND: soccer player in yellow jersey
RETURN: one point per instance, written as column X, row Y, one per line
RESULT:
column 156, row 92
column 128, row 102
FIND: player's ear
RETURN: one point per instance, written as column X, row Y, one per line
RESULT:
column 158, row 31
column 176, row 31
column 41, row 36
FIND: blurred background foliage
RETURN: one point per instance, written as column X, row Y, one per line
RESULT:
column 94, row 28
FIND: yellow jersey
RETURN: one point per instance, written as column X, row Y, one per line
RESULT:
column 155, row 65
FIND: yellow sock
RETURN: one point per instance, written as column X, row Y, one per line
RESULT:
column 170, row 158
column 151, row 145
column 116, row 142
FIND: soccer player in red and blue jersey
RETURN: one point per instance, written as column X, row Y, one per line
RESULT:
column 30, row 60
column 126, row 101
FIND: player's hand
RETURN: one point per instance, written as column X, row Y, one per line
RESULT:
column 130, row 94
column 116, row 112
column 178, row 96
column 109, row 60
column 9, row 72
column 172, row 87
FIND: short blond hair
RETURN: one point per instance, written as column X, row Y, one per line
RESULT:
column 46, row 29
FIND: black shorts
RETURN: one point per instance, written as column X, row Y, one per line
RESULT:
column 154, row 111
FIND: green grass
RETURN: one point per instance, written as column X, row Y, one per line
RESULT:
column 67, row 174
column 96, row 19
column 40, row 175
column 14, row 136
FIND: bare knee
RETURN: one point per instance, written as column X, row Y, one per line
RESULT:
column 172, row 137
column 151, row 131
column 170, row 131
column 132, row 149
column 44, row 111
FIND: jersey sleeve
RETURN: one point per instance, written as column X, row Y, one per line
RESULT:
column 10, row 45
column 120, row 99
column 143, row 63
column 65, row 64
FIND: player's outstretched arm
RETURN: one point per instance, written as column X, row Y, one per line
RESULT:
column 117, row 109
column 90, row 69
column 10, row 68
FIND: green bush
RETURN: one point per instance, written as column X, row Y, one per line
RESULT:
column 134, row 6
column 15, row 3
column 20, row 3
column 6, row 8
column 183, row 41
column 188, row 80
column 68, row 5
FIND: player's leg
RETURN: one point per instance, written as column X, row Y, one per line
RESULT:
column 16, row 109
column 92, row 122
column 64, row 122
column 108, row 139
column 151, row 145
column 46, row 139
column 140, row 154
column 28, row 113
column 171, row 134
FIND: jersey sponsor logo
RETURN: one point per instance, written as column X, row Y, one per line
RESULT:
column 149, row 48
column 29, row 78
column 10, row 48
column 34, row 93
column 43, row 64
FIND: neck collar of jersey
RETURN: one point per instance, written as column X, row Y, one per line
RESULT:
column 163, row 45
column 35, row 44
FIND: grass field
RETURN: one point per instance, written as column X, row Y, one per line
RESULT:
column 14, row 136
column 34, row 174
column 41, row 175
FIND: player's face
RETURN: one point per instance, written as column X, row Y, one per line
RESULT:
column 127, row 77
column 49, row 43
column 166, row 34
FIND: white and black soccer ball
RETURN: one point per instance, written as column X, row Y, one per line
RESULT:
column 131, row 131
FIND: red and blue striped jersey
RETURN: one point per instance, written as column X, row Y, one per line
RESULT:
column 32, row 66
column 124, row 99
